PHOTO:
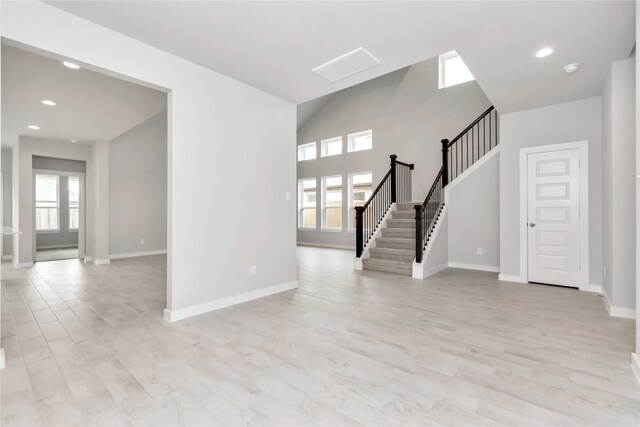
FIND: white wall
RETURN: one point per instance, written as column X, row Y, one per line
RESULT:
column 572, row 121
column 138, row 188
column 409, row 116
column 7, row 200
column 225, row 215
column 619, row 186
column 474, row 216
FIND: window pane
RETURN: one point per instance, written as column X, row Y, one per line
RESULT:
column 454, row 69
column 361, row 141
column 309, row 217
column 74, row 191
column 360, row 191
column 74, row 218
column 332, row 146
column 46, row 188
column 46, row 202
column 307, row 151
column 334, row 218
column 46, row 219
column 333, row 202
column 307, row 203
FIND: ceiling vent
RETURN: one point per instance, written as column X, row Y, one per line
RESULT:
column 346, row 65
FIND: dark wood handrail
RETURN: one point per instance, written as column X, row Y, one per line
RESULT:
column 410, row 166
column 475, row 122
column 377, row 189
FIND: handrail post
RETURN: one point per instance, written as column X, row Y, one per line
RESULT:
column 419, row 244
column 445, row 162
column 393, row 178
column 359, row 231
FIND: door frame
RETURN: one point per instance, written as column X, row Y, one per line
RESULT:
column 583, row 155
column 81, row 205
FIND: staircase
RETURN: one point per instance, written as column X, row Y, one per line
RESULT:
column 391, row 231
column 395, row 250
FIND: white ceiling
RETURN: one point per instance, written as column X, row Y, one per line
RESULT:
column 274, row 45
column 90, row 106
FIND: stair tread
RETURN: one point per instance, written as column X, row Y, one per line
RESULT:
column 395, row 239
column 391, row 262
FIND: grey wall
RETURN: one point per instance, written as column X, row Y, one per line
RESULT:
column 409, row 116
column 138, row 188
column 7, row 200
column 619, row 184
column 572, row 121
column 477, row 227
column 65, row 237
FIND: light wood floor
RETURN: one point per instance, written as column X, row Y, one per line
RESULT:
column 87, row 345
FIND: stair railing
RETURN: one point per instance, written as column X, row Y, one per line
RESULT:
column 477, row 139
column 396, row 186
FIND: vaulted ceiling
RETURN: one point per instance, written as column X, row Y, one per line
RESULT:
column 274, row 45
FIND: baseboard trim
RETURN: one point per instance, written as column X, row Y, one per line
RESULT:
column 103, row 261
column 327, row 245
column 137, row 254
column 635, row 365
column 195, row 310
column 591, row 288
column 431, row 271
column 614, row 311
column 490, row 268
column 23, row 264
column 7, row 257
column 511, row 278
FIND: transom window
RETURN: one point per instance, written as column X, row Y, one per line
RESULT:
column 332, row 202
column 307, row 203
column 331, row 147
column 360, row 141
column 47, row 202
column 307, row 151
column 453, row 71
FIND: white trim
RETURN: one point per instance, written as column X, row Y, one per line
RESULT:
column 326, row 245
column 194, row 310
column 357, row 262
column 6, row 257
column 490, row 268
column 418, row 270
column 56, row 247
column 511, row 278
column 23, row 264
column 615, row 311
column 457, row 180
column 137, row 254
column 97, row 261
column 583, row 153
column 635, row 365
column 2, row 359
column 591, row 288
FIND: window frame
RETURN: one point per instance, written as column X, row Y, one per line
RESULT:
column 442, row 69
column 323, row 206
column 35, row 202
column 351, row 226
column 301, row 208
column 324, row 146
column 352, row 137
column 301, row 149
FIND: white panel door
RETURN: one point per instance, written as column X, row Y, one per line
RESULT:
column 553, row 180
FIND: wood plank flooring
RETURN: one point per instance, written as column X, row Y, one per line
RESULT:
column 87, row 345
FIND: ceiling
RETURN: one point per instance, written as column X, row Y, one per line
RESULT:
column 274, row 45
column 90, row 106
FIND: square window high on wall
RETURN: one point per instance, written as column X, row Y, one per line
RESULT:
column 331, row 147
column 359, row 141
column 453, row 71
column 307, row 151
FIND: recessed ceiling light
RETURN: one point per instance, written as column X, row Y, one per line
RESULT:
column 571, row 68
column 70, row 65
column 545, row 51
column 75, row 141
column 34, row 127
column 49, row 102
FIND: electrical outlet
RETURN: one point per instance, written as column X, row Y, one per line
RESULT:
column 479, row 251
column 253, row 270
column 142, row 241
column 287, row 196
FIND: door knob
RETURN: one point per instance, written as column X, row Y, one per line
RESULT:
column 531, row 224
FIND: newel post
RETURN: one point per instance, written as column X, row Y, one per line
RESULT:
column 445, row 162
column 359, row 233
column 393, row 178
column 419, row 244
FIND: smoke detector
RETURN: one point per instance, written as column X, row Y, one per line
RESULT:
column 571, row 68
